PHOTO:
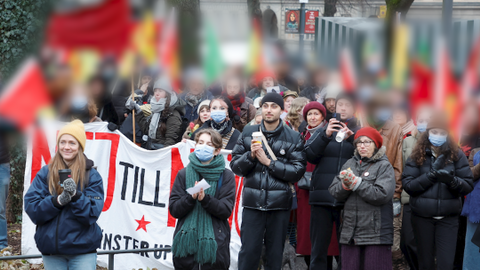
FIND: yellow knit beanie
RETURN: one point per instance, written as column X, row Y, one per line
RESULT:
column 77, row 130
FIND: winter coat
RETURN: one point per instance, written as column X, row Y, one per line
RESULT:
column 368, row 211
column 470, row 208
column 407, row 148
column 329, row 156
column 173, row 121
column 69, row 229
column 435, row 199
column 267, row 188
column 312, row 91
column 107, row 112
column 255, row 92
column 247, row 114
column 392, row 139
column 191, row 113
column 219, row 207
column 4, row 151
column 475, row 168
column 230, row 134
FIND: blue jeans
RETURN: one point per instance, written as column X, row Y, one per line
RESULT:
column 70, row 262
column 4, row 183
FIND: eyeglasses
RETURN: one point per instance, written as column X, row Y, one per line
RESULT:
column 366, row 143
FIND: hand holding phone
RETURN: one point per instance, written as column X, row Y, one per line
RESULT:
column 64, row 175
column 333, row 126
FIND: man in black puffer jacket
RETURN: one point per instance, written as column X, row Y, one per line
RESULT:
column 268, row 185
column 328, row 155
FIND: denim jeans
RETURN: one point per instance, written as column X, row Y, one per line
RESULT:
column 4, row 183
column 70, row 262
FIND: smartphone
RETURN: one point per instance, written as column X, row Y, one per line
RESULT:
column 64, row 175
column 338, row 117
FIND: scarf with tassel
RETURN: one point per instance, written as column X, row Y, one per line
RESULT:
column 196, row 237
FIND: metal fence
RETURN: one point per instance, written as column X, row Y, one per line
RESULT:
column 110, row 253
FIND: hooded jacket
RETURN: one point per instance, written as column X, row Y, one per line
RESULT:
column 219, row 207
column 435, row 199
column 69, row 229
column 329, row 156
column 368, row 211
column 173, row 121
column 267, row 188
column 191, row 113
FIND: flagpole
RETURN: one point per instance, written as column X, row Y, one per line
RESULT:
column 133, row 112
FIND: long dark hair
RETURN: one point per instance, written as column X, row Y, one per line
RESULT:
column 165, row 114
column 449, row 149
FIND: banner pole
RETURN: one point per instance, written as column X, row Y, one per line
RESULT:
column 133, row 112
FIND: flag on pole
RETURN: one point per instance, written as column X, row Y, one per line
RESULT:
column 25, row 95
column 400, row 56
column 256, row 59
column 347, row 71
column 144, row 39
column 212, row 60
column 168, row 50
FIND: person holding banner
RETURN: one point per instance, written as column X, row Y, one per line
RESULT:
column 202, row 235
column 163, row 126
column 221, row 114
column 271, row 158
column 65, row 200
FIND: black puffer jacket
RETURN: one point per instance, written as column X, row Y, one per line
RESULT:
column 435, row 199
column 267, row 188
column 219, row 207
column 329, row 156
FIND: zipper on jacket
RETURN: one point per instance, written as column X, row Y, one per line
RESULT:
column 338, row 169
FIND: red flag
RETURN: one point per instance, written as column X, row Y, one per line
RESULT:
column 105, row 27
column 347, row 71
column 421, row 92
column 25, row 95
column 470, row 79
column 449, row 97
column 168, row 51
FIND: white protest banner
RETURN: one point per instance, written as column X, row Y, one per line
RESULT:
column 137, row 185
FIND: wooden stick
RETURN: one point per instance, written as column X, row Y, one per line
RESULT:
column 133, row 112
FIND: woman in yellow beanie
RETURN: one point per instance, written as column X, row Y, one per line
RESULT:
column 66, row 213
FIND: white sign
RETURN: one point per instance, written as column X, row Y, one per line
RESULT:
column 137, row 184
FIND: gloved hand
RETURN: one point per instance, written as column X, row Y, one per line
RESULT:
column 397, row 207
column 437, row 165
column 70, row 186
column 349, row 179
column 132, row 105
column 64, row 198
column 445, row 177
column 112, row 126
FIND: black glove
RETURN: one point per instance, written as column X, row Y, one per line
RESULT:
column 112, row 126
column 437, row 165
column 445, row 177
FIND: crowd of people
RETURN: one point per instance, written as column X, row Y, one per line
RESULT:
column 358, row 178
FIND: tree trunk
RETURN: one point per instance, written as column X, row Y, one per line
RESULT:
column 330, row 8
column 188, row 27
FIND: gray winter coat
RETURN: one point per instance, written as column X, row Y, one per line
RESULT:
column 368, row 211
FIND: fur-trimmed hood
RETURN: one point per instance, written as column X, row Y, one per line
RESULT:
column 377, row 156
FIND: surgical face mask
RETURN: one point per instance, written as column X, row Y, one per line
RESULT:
column 422, row 127
column 218, row 115
column 437, row 140
column 204, row 152
column 383, row 115
column 79, row 102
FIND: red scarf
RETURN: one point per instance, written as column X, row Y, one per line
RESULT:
column 236, row 101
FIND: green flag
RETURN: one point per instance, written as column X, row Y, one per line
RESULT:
column 212, row 61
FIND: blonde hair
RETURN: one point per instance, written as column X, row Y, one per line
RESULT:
column 293, row 116
column 57, row 163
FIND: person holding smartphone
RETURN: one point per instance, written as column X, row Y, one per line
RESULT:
column 328, row 153
column 65, row 213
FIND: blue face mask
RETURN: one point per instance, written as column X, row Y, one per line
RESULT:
column 79, row 102
column 204, row 152
column 383, row 115
column 422, row 127
column 218, row 115
column 437, row 140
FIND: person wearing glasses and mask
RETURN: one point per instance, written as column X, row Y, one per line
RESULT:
column 366, row 184
column 436, row 176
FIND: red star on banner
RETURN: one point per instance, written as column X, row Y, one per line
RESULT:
column 142, row 224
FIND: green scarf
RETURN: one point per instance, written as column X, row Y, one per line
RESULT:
column 196, row 237
column 374, row 124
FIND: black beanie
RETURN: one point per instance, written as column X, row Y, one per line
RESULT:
column 275, row 98
column 346, row 96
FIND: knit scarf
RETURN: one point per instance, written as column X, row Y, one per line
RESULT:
column 236, row 101
column 312, row 130
column 196, row 237
column 408, row 127
column 222, row 128
column 193, row 100
column 157, row 108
